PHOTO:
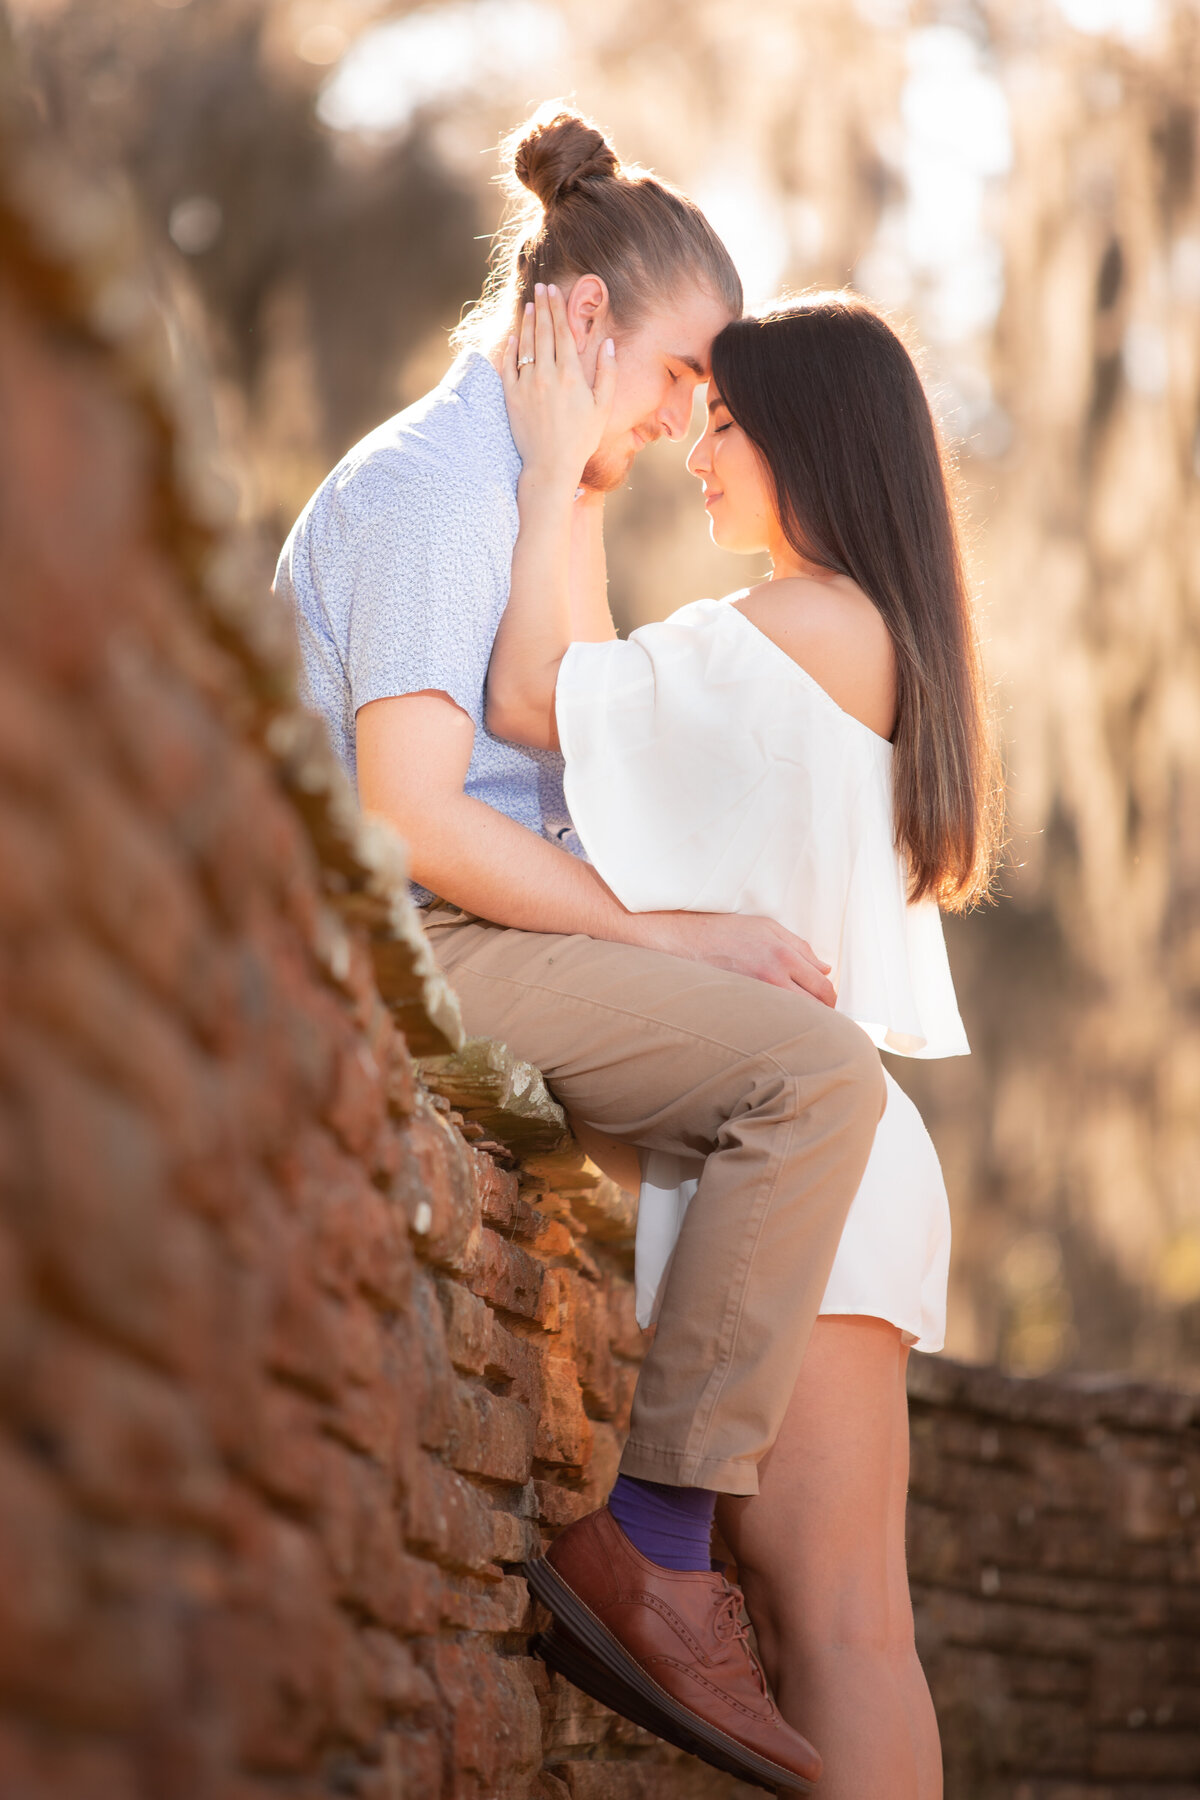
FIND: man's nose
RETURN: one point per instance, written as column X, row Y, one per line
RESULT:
column 676, row 415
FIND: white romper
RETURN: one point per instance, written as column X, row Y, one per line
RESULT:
column 707, row 772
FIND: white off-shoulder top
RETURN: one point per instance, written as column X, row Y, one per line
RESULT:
column 708, row 772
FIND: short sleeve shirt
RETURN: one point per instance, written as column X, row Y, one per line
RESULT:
column 398, row 570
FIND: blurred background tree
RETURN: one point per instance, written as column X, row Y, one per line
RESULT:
column 1016, row 178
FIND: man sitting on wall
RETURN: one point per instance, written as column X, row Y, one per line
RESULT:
column 655, row 1028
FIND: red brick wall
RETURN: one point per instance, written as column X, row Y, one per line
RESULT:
column 289, row 1371
column 303, row 1347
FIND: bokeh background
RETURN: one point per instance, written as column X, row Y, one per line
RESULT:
column 1019, row 180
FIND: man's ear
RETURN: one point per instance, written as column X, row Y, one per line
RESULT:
column 587, row 311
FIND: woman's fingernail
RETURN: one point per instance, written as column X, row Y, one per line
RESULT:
column 528, row 307
column 539, row 287
column 610, row 349
column 552, row 289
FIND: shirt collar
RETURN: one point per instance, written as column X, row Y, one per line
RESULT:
column 477, row 383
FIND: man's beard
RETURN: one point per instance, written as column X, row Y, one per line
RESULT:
column 604, row 473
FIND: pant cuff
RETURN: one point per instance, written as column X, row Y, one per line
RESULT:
column 650, row 1462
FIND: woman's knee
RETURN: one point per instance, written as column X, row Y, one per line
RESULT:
column 819, row 1622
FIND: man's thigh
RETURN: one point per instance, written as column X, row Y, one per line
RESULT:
column 648, row 1047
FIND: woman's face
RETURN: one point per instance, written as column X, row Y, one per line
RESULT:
column 738, row 493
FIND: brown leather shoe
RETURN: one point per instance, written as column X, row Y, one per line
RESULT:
column 567, row 1657
column 675, row 1639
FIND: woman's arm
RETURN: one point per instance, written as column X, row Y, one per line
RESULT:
column 591, row 620
column 557, row 420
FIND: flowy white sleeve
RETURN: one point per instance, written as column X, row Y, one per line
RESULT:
column 707, row 772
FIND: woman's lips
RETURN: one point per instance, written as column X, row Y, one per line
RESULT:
column 709, row 498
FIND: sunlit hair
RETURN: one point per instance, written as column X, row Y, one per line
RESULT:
column 829, row 396
column 575, row 210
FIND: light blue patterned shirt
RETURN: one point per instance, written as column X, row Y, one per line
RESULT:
column 398, row 569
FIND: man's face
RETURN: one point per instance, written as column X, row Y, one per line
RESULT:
column 660, row 363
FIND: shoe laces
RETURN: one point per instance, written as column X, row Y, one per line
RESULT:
column 731, row 1626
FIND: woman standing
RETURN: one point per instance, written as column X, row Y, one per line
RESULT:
column 812, row 749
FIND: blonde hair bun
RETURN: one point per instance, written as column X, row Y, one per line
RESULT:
column 556, row 156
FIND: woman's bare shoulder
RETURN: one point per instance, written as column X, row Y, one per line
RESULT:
column 837, row 635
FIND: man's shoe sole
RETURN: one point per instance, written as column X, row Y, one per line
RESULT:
column 605, row 1649
column 568, row 1658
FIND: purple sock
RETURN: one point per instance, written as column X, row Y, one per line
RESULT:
column 672, row 1526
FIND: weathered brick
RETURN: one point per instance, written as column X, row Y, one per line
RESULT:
column 130, row 1443
column 559, row 1505
column 514, row 1540
column 436, row 1185
column 411, row 1765
column 448, row 1519
column 135, row 888
column 587, row 1322
column 357, row 1106
column 602, row 1465
column 471, row 1603
column 305, row 1329
column 469, row 1328
column 492, row 1435
column 416, row 1605
column 72, row 991
column 375, row 1676
column 1146, row 1755
column 278, row 1649
column 564, row 1432
column 31, row 867
column 35, row 751
column 499, row 1195
column 493, row 1718
column 285, row 1454
column 41, row 1594
column 514, row 1281
column 360, row 1237
column 361, row 1532
column 435, row 1389
column 31, row 1768
column 98, row 1212
column 516, row 1361
column 621, row 1780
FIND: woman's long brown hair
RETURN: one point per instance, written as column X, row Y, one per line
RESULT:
column 830, row 398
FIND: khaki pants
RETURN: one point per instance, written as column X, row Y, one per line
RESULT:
column 779, row 1093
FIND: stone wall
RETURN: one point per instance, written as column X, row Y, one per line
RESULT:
column 1054, row 1555
column 312, row 1321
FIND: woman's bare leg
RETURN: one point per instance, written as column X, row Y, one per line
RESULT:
column 923, row 1726
column 819, row 1551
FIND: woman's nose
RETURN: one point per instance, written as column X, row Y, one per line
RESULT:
column 697, row 459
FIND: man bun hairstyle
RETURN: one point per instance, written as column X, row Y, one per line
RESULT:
column 553, row 159
column 575, row 209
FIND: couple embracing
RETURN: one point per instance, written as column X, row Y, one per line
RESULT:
column 695, row 878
